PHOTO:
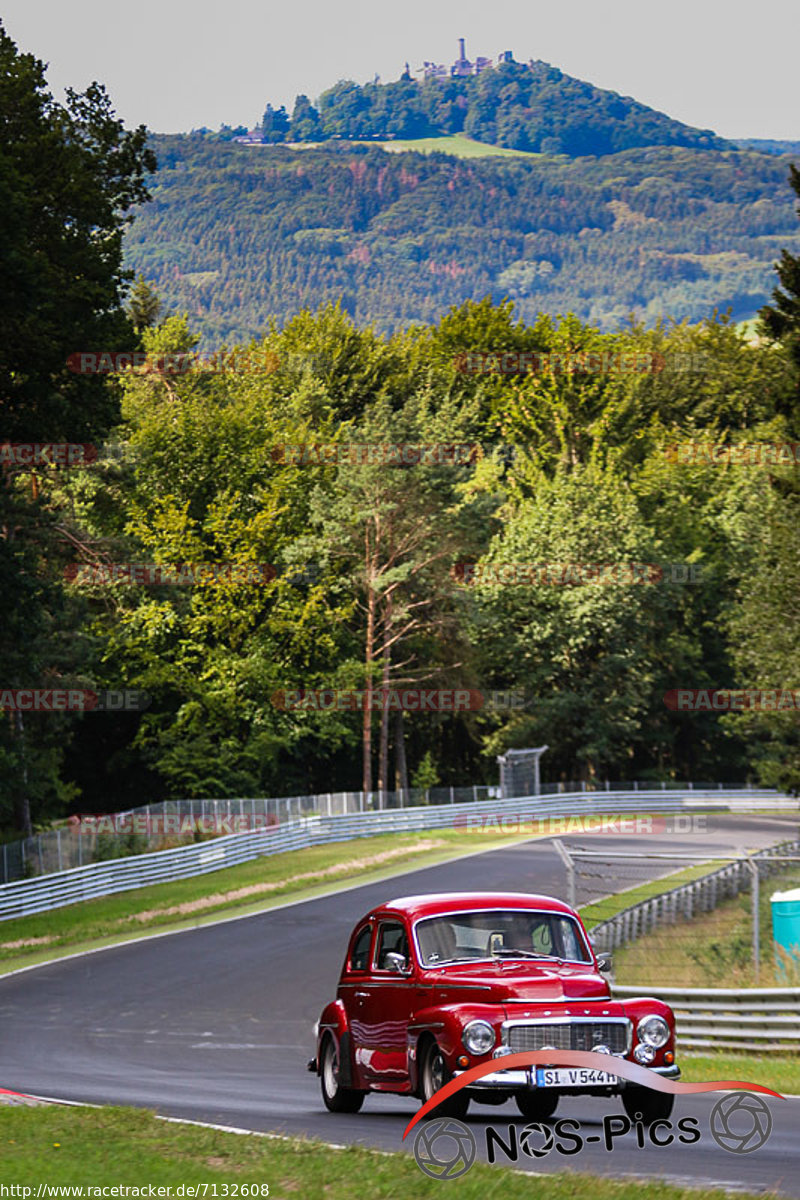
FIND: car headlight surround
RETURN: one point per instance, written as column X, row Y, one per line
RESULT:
column 478, row 1037
column 653, row 1031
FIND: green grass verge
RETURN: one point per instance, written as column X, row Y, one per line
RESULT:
column 252, row 887
column 779, row 1072
column 101, row 1147
column 713, row 949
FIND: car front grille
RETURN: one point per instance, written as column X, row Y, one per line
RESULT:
column 569, row 1035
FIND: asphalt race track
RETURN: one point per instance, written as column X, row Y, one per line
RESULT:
column 215, row 1024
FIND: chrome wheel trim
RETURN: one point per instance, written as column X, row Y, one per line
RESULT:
column 330, row 1069
column 435, row 1071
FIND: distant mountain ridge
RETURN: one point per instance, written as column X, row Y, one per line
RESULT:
column 519, row 106
column 236, row 235
column 768, row 145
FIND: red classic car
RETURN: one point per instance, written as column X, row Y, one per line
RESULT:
column 434, row 985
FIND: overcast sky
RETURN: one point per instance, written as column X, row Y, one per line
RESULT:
column 727, row 65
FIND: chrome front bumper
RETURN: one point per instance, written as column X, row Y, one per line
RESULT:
column 519, row 1081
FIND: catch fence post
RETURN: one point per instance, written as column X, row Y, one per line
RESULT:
column 755, row 899
column 569, row 863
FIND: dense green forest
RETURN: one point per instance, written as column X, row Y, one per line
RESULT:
column 522, row 106
column 366, row 583
column 237, row 235
column 360, row 563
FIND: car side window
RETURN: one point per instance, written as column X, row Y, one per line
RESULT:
column 359, row 959
column 572, row 945
column 391, row 939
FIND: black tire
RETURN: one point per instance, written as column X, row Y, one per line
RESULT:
column 644, row 1104
column 433, row 1075
column 537, row 1105
column 336, row 1098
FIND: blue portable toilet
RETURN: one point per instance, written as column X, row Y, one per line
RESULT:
column 786, row 921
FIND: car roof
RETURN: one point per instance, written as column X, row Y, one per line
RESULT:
column 415, row 907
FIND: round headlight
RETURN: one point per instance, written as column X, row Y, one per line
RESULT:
column 644, row 1054
column 653, row 1031
column 478, row 1037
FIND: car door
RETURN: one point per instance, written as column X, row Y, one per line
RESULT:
column 352, row 990
column 383, row 1007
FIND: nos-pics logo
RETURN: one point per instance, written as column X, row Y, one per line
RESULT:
column 446, row 1149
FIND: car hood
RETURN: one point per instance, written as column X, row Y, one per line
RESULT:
column 516, row 982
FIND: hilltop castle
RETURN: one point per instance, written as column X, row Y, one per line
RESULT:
column 462, row 66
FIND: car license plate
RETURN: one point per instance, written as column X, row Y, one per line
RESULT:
column 573, row 1077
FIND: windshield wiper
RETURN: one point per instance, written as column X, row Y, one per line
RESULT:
column 510, row 952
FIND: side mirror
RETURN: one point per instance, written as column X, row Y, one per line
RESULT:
column 395, row 962
column 604, row 963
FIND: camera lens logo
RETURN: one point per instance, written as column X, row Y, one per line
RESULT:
column 444, row 1148
column 741, row 1122
column 527, row 1139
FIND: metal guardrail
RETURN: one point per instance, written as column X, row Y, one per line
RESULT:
column 686, row 900
column 101, row 879
column 171, row 823
column 760, row 1019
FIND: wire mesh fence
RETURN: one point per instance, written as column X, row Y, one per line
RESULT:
column 689, row 921
column 170, row 823
column 102, row 837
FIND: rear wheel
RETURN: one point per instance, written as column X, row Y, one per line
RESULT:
column 537, row 1105
column 434, row 1075
column 337, row 1099
column 644, row 1104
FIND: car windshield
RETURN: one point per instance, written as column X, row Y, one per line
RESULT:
column 500, row 934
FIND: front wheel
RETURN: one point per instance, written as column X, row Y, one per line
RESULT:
column 537, row 1105
column 337, row 1099
column 644, row 1104
column 434, row 1075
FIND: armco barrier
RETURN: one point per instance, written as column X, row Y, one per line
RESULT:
column 101, row 879
column 155, row 826
column 760, row 1019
